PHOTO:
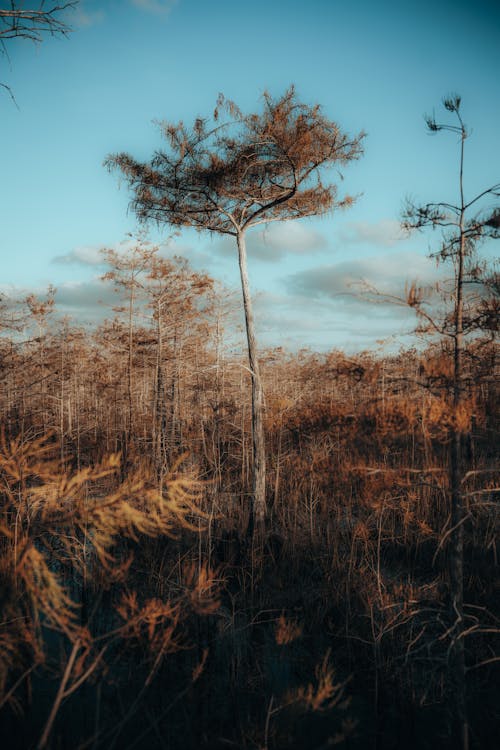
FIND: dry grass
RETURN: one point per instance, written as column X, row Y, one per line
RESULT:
column 136, row 601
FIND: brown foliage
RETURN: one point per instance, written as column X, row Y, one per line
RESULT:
column 231, row 175
column 104, row 555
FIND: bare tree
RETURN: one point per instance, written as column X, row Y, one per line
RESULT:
column 174, row 292
column 227, row 177
column 36, row 22
column 464, row 224
column 127, row 272
column 33, row 24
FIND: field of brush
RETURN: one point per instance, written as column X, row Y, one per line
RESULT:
column 137, row 613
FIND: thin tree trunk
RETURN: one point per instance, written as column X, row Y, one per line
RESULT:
column 160, row 415
column 218, row 404
column 129, row 367
column 174, row 396
column 457, row 651
column 59, row 697
column 258, row 506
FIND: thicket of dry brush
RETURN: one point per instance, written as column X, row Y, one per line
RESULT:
column 134, row 613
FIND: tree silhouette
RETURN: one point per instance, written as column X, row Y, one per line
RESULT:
column 33, row 24
column 229, row 176
column 464, row 224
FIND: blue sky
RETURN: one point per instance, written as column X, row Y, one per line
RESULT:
column 376, row 66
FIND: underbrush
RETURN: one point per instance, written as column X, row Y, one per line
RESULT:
column 137, row 613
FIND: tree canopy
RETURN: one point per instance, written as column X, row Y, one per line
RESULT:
column 226, row 176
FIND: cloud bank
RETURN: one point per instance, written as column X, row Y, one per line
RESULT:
column 158, row 7
column 387, row 273
column 80, row 256
column 383, row 233
column 275, row 242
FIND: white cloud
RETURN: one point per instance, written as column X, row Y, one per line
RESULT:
column 290, row 236
column 85, row 17
column 86, row 301
column 322, row 324
column 159, row 7
column 276, row 241
column 383, row 233
column 388, row 274
column 91, row 255
column 82, row 256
